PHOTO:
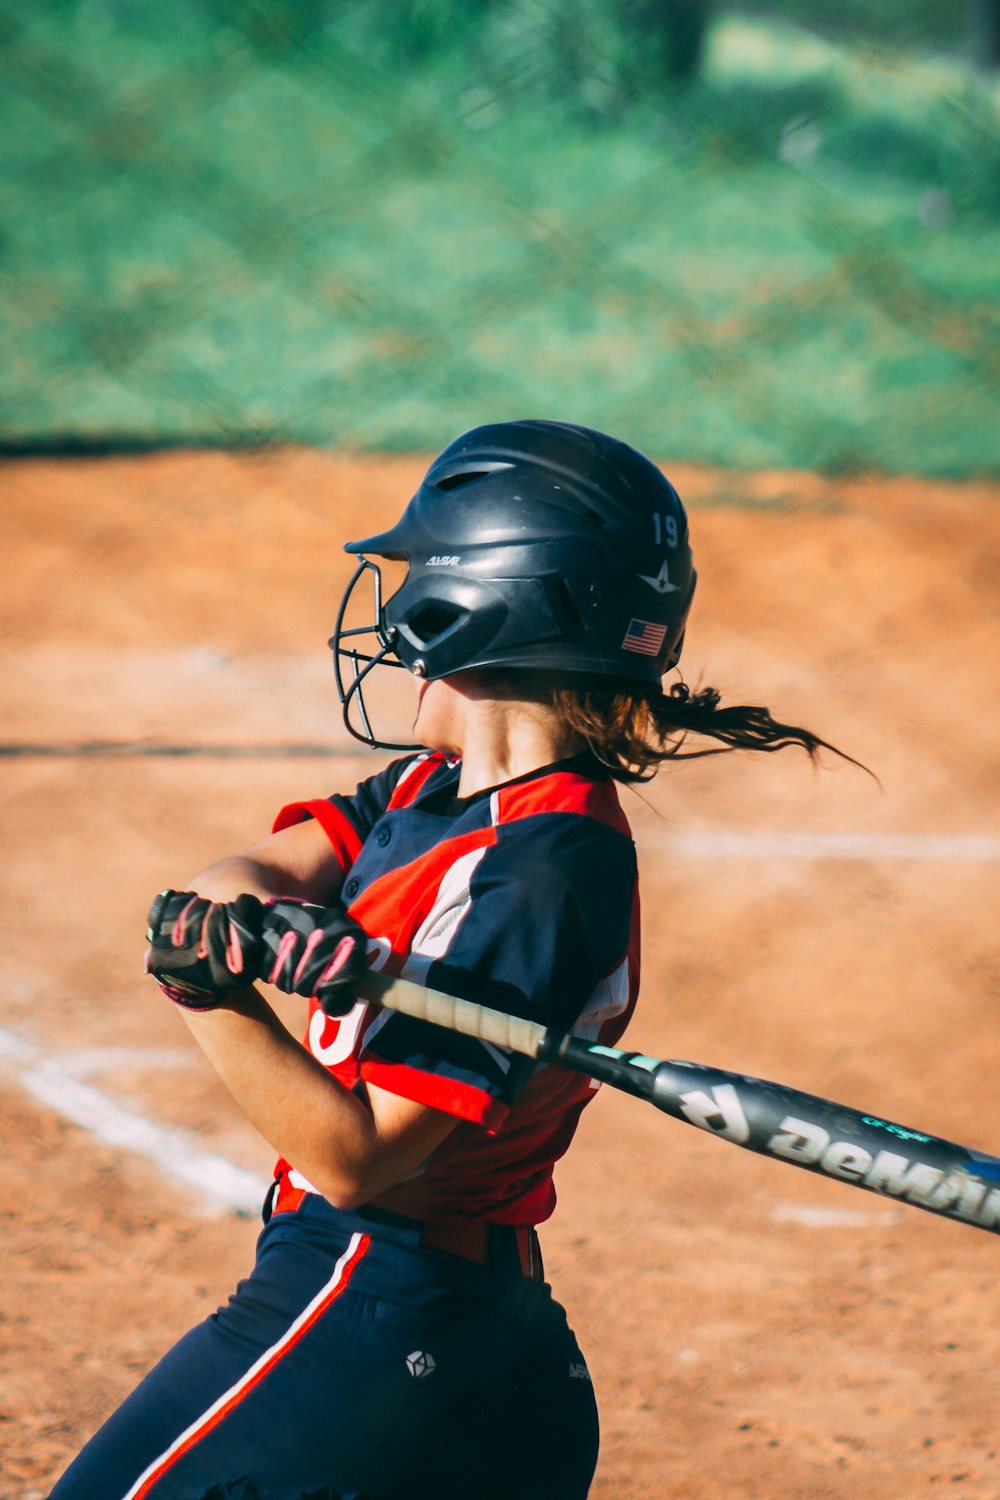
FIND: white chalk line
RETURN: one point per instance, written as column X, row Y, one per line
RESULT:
column 830, row 1218
column 89, row 1060
column 718, row 844
column 219, row 1184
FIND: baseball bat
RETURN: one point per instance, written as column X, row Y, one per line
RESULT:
column 772, row 1119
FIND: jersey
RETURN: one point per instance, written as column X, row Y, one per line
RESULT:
column 311, row 1381
column 523, row 897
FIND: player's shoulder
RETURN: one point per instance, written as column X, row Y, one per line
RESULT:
column 571, row 793
column 563, row 831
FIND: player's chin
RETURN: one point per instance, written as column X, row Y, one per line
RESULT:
column 421, row 690
column 427, row 725
column 440, row 720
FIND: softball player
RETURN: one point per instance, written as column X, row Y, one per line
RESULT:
column 396, row 1336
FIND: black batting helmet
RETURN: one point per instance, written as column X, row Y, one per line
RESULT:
column 528, row 545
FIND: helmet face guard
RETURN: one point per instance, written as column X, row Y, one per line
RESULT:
column 529, row 545
column 352, row 664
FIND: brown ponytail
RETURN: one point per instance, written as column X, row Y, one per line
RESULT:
column 633, row 734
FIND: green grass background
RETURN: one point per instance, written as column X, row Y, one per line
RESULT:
column 231, row 223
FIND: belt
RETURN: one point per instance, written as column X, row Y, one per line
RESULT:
column 509, row 1249
column 501, row 1246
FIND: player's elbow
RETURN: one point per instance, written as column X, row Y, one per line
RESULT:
column 350, row 1186
column 367, row 1151
column 344, row 1193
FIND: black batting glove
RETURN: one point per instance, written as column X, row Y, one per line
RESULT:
column 317, row 951
column 199, row 950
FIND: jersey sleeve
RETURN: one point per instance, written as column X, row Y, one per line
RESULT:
column 347, row 820
column 533, row 927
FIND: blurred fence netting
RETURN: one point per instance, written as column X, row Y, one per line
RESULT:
column 758, row 235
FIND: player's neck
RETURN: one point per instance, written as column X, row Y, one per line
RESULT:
column 505, row 740
column 498, row 735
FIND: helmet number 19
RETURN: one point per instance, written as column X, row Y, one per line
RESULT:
column 665, row 529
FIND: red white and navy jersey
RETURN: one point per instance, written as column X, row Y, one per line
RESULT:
column 524, row 898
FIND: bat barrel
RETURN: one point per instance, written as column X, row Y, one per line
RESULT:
column 804, row 1130
column 833, row 1140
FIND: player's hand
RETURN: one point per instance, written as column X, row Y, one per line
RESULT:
column 199, row 950
column 317, row 951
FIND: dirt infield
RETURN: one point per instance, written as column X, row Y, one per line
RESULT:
column 753, row 1332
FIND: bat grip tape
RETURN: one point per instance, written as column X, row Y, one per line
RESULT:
column 463, row 1016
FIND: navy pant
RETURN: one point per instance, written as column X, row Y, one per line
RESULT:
column 354, row 1364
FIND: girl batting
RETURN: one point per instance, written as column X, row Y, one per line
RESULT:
column 396, row 1336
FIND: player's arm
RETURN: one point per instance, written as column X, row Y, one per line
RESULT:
column 311, row 846
column 205, row 951
column 351, row 1148
column 298, row 861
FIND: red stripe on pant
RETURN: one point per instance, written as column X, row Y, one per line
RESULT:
column 230, row 1399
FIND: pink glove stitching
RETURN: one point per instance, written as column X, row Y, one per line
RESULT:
column 178, row 934
column 315, row 937
column 234, row 951
column 285, row 950
column 343, row 952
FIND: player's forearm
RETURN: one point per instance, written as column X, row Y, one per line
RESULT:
column 240, row 875
column 299, row 861
column 328, row 1133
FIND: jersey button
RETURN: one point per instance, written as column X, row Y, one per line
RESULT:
column 352, row 887
column 383, row 836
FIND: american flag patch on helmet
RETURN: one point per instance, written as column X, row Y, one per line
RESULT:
column 645, row 637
